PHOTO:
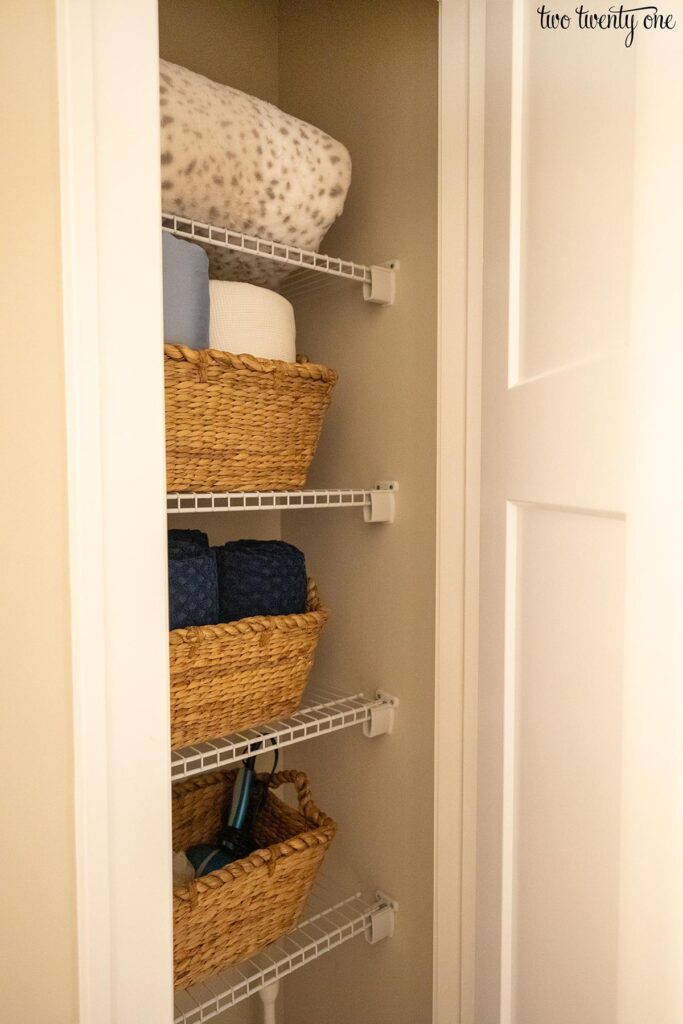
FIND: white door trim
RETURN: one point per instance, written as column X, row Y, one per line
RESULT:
column 461, row 137
column 108, row 102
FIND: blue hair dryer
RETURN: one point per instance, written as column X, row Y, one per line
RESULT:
column 233, row 841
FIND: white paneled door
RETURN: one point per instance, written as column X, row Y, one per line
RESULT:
column 557, row 787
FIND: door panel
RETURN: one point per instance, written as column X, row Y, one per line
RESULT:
column 573, row 100
column 562, row 788
column 557, row 273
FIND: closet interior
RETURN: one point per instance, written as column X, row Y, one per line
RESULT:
column 365, row 74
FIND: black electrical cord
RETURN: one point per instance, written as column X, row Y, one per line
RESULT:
column 239, row 841
column 265, row 786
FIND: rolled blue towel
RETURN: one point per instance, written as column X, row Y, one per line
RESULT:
column 192, row 587
column 260, row 577
column 188, row 538
column 186, row 292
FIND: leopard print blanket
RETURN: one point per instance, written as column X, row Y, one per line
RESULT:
column 237, row 162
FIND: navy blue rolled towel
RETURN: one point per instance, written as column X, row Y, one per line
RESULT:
column 192, row 587
column 260, row 577
column 188, row 538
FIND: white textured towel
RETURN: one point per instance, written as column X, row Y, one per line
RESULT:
column 183, row 872
column 247, row 319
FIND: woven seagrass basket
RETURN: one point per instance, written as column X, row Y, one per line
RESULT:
column 228, row 915
column 238, row 423
column 240, row 674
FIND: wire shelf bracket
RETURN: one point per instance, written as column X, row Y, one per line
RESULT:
column 378, row 281
column 323, row 712
column 319, row 934
column 378, row 504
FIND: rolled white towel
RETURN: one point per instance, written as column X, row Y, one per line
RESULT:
column 247, row 319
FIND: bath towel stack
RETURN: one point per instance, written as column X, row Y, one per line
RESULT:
column 234, row 581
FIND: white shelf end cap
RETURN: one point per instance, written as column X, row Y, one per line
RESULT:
column 381, row 288
column 381, row 721
column 382, row 507
column 383, row 920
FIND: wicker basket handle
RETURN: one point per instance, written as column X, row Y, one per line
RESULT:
column 303, row 792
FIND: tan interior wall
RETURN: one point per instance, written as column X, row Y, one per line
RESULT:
column 367, row 73
column 38, row 922
column 231, row 41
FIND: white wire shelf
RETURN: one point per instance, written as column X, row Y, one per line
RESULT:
column 378, row 504
column 330, row 921
column 323, row 711
column 379, row 282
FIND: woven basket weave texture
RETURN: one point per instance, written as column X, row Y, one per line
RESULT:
column 228, row 915
column 237, row 675
column 238, row 423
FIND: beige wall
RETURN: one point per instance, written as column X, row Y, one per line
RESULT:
column 231, row 41
column 367, row 73
column 37, row 927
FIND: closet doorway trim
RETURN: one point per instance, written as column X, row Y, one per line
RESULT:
column 109, row 162
column 461, row 140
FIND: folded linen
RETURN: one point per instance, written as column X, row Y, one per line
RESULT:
column 183, row 872
column 192, row 586
column 238, row 162
column 247, row 319
column 260, row 577
column 186, row 292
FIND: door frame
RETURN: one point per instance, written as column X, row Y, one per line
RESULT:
column 108, row 132
column 111, row 264
column 461, row 169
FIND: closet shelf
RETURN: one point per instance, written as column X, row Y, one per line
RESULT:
column 378, row 504
column 379, row 282
column 329, row 922
column 323, row 711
